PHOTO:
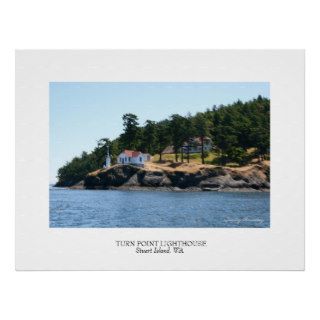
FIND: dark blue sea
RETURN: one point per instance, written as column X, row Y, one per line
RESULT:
column 158, row 209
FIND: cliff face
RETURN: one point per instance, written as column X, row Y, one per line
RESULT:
column 208, row 178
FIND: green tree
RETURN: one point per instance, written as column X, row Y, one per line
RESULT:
column 163, row 138
column 76, row 170
column 130, row 138
column 101, row 150
column 190, row 132
column 261, row 139
column 202, row 128
column 115, row 150
column 237, row 155
column 149, row 137
column 177, row 133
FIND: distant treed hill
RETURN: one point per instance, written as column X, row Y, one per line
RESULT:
column 233, row 128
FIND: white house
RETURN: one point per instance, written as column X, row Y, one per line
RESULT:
column 136, row 158
column 194, row 146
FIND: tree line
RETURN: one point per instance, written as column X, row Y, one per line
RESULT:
column 233, row 128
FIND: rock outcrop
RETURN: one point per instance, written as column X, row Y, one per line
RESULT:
column 251, row 178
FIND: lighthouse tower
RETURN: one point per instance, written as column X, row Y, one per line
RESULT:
column 108, row 159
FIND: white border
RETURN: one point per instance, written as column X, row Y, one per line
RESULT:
column 280, row 247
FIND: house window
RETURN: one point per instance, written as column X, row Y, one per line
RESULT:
column 129, row 159
column 140, row 159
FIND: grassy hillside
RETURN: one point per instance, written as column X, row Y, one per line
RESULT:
column 211, row 158
column 194, row 158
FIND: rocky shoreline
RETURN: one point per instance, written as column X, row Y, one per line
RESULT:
column 176, row 189
column 205, row 178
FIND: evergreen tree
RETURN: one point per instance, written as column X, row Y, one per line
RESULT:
column 130, row 138
column 163, row 138
column 149, row 137
column 177, row 132
column 202, row 128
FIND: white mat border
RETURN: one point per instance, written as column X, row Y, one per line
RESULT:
column 280, row 247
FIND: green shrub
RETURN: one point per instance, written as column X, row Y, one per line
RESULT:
column 234, row 155
column 206, row 154
column 238, row 155
column 221, row 160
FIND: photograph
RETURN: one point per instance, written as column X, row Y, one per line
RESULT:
column 159, row 154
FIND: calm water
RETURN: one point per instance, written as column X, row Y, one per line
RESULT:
column 111, row 209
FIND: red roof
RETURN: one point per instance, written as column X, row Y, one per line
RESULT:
column 131, row 153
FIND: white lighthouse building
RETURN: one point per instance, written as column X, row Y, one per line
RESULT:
column 133, row 157
column 108, row 159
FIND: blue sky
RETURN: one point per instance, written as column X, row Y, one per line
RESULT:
column 83, row 112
